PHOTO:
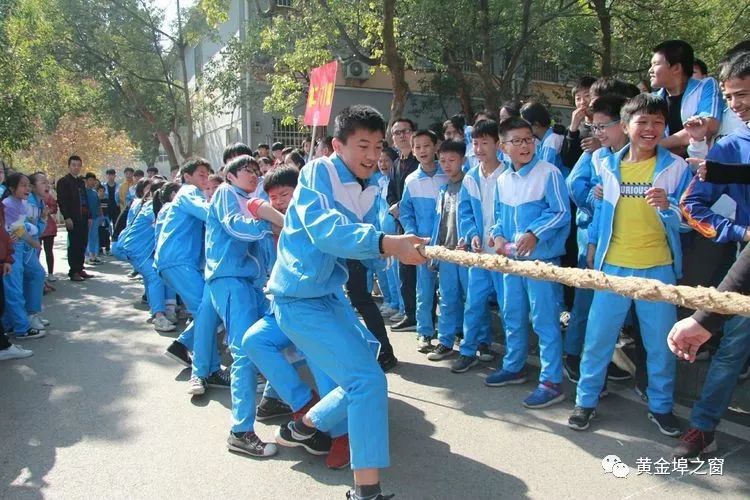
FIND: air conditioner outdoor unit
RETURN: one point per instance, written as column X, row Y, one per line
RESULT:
column 356, row 70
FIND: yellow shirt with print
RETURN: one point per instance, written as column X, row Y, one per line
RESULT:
column 638, row 239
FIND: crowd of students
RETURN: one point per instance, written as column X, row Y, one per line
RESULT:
column 278, row 253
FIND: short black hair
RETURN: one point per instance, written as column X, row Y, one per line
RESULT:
column 425, row 132
column 356, row 117
column 608, row 85
column 486, row 112
column 406, row 120
column 485, row 128
column 140, row 187
column 264, row 145
column 73, row 158
column 297, row 158
column 458, row 122
column 236, row 149
column 644, row 104
column 100, row 186
column 265, row 159
column 90, row 175
column 738, row 67
column 536, row 113
column 277, row 146
column 583, row 83
column 190, row 166
column 285, row 175
column 240, row 162
column 326, row 142
column 743, row 46
column 139, row 172
column 609, row 105
column 453, row 146
column 512, row 123
column 152, row 169
column 677, row 52
column 513, row 108
column 701, row 65
column 129, row 169
column 110, row 171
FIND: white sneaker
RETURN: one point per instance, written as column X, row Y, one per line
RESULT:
column 51, row 278
column 171, row 316
column 162, row 324
column 15, row 352
column 38, row 316
column 396, row 317
column 35, row 322
column 387, row 312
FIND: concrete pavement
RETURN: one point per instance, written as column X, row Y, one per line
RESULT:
column 100, row 412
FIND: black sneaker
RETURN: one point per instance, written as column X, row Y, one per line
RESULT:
column 464, row 363
column 484, row 353
column 179, row 353
column 572, row 367
column 440, row 352
column 31, row 333
column 220, row 379
column 271, row 408
column 695, row 443
column 250, row 444
column 352, row 495
column 133, row 274
column 405, row 325
column 581, row 417
column 387, row 362
column 615, row 373
column 317, row 443
column 666, row 422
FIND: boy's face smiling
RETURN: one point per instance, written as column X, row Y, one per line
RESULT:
column 522, row 153
column 645, row 131
column 485, row 148
column 737, row 94
column 451, row 163
column 423, row 150
column 661, row 73
column 609, row 134
column 361, row 151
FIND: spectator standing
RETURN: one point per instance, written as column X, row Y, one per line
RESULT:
column 71, row 199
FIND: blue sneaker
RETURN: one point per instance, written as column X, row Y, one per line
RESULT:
column 503, row 377
column 546, row 394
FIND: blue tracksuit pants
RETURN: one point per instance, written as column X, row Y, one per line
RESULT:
column 341, row 347
column 477, row 325
column 394, row 283
column 453, row 281
column 189, row 284
column 239, row 304
column 581, row 304
column 22, row 280
column 426, row 283
column 92, row 246
column 524, row 297
column 155, row 289
column 33, row 280
column 264, row 343
column 608, row 313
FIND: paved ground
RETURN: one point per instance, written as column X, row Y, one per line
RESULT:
column 99, row 412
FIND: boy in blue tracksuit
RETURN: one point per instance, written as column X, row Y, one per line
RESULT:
column 179, row 259
column 453, row 279
column 476, row 216
column 635, row 232
column 388, row 279
column 734, row 348
column 585, row 190
column 232, row 270
column 548, row 143
column 331, row 219
column 532, row 221
column 417, row 215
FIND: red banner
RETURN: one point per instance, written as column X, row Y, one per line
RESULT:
column 320, row 94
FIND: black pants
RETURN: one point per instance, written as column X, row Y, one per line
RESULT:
column 78, row 238
column 4, row 342
column 363, row 302
column 120, row 224
column 408, row 275
column 49, row 244
column 104, row 238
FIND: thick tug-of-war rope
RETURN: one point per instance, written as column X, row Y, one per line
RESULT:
column 707, row 299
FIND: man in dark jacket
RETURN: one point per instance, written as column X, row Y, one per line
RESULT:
column 71, row 198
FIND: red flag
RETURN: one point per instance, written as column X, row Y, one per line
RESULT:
column 320, row 94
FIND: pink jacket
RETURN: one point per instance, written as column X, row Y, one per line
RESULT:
column 51, row 227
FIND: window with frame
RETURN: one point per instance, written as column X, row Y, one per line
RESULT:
column 288, row 135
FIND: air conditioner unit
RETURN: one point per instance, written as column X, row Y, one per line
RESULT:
column 356, row 70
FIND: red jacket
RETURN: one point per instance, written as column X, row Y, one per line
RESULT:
column 6, row 245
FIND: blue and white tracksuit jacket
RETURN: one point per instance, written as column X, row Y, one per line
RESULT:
column 533, row 199
column 332, row 217
column 548, row 149
column 608, row 310
column 417, row 216
column 701, row 97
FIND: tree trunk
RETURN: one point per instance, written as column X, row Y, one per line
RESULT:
column 605, row 24
column 484, row 69
column 464, row 92
column 395, row 63
column 188, row 152
column 163, row 138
